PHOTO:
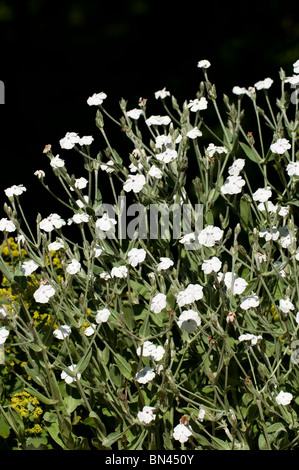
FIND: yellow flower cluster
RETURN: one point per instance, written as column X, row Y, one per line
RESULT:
column 272, row 310
column 28, row 408
column 40, row 318
column 55, row 260
column 11, row 250
column 6, row 292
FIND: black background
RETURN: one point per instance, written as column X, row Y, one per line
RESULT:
column 55, row 54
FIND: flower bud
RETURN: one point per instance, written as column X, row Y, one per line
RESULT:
column 123, row 105
column 99, row 120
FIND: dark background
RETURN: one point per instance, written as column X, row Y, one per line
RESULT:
column 54, row 54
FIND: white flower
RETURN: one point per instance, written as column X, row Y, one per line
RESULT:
column 165, row 263
column 262, row 194
column 264, row 84
column 69, row 140
column 280, row 146
column 54, row 246
column 52, row 221
column 285, row 305
column 134, row 183
column 212, row 148
column 15, row 190
column 108, row 167
column 269, row 206
column 69, row 378
column 119, row 272
column 29, row 267
column 73, row 267
column 181, row 433
column 250, row 337
column 7, row 225
column 86, row 140
column 294, row 80
column 43, row 294
column 189, row 295
column 203, row 64
column 62, row 332
column 234, row 283
column 158, row 121
column 201, row 414
column 97, row 251
column 104, row 275
column 134, row 168
column 269, row 233
column 80, row 218
column 210, row 235
column 168, row 156
column 161, row 94
column 158, row 303
column 81, row 183
column 249, row 301
column 40, row 174
column 283, row 211
column 105, row 223
column 96, row 99
column 236, row 167
column 163, row 139
column 284, row 398
column 20, row 239
column 293, row 169
column 213, row 264
column 57, row 162
column 3, row 312
column 102, row 316
column 146, row 415
column 193, row 133
column 297, row 318
column 189, row 320
column 287, row 237
column 136, row 255
column 90, row 330
column 3, row 335
column 134, row 113
column 239, row 90
column 198, row 104
column 150, row 350
column 145, row 375
column 296, row 66
column 147, row 350
column 158, row 353
column 187, row 238
column 232, row 185
column 155, row 172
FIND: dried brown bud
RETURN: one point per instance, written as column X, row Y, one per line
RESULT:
column 47, row 148
column 231, row 317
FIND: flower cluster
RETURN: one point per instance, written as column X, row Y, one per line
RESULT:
column 136, row 339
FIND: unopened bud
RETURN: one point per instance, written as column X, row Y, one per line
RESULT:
column 99, row 120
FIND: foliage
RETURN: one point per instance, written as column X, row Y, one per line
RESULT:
column 216, row 372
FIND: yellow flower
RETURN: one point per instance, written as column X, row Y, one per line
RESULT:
column 28, row 408
column 12, row 250
column 37, row 429
column 37, row 412
column 40, row 318
column 273, row 311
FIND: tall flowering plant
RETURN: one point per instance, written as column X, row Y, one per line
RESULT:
column 178, row 332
